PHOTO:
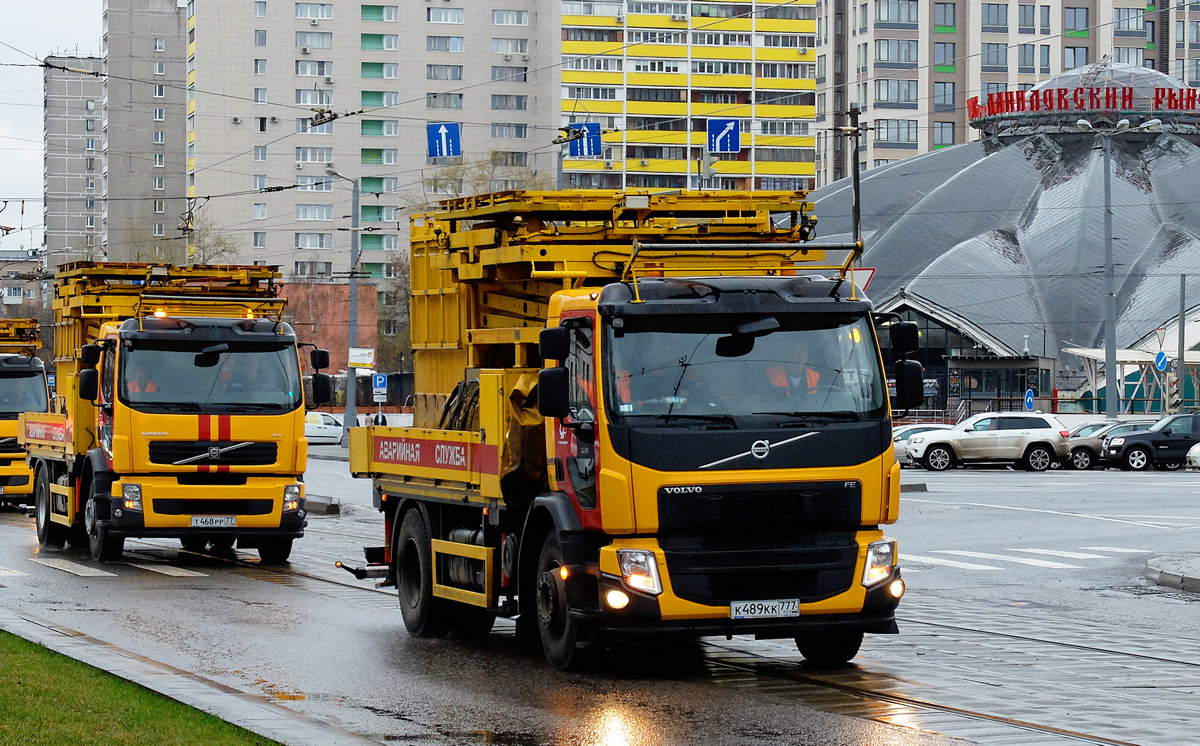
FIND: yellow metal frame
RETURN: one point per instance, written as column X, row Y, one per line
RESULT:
column 487, row 555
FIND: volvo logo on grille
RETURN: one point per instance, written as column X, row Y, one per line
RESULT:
column 693, row 490
column 214, row 453
column 760, row 449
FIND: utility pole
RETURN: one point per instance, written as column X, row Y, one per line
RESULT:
column 350, row 418
column 852, row 132
column 1180, row 361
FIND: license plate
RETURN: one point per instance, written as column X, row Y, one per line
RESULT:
column 764, row 609
column 214, row 521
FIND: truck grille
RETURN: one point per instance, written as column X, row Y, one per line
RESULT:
column 714, row 540
column 10, row 445
column 175, row 506
column 174, row 451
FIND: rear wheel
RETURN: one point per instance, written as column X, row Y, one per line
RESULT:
column 1136, row 459
column 1168, row 466
column 50, row 535
column 1082, row 459
column 104, row 546
column 424, row 615
column 1038, row 458
column 560, row 633
column 274, row 551
column 938, row 458
column 832, row 648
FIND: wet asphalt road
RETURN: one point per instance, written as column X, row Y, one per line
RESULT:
column 1023, row 642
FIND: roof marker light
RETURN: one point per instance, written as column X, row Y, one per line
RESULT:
column 160, row 313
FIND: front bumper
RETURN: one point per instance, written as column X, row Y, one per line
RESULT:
column 168, row 509
column 16, row 478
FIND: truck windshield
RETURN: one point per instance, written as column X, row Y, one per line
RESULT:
column 228, row 377
column 707, row 368
column 22, row 391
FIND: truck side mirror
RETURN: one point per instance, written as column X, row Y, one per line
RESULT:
column 554, row 343
column 322, row 387
column 910, row 383
column 88, row 383
column 319, row 358
column 553, row 392
column 905, row 338
column 89, row 355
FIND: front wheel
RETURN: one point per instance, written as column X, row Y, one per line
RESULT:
column 274, row 551
column 103, row 545
column 1082, row 459
column 833, row 648
column 1038, row 458
column 50, row 535
column 560, row 633
column 938, row 458
column 1137, row 459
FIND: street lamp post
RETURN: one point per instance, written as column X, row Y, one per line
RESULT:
column 1112, row 400
column 351, row 415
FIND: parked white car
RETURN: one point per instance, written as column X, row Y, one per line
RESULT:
column 1193, row 457
column 1031, row 440
column 901, row 434
column 322, row 429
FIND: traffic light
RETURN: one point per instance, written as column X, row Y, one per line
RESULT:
column 710, row 165
column 1174, row 396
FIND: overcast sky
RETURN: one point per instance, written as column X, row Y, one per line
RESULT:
column 39, row 29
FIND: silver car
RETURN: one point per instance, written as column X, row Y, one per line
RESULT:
column 1031, row 440
column 1085, row 441
column 901, row 434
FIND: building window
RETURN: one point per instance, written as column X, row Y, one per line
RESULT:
column 943, row 15
column 994, row 55
column 1129, row 55
column 260, row 8
column 160, row 114
column 509, row 74
column 896, row 50
column 1075, row 19
column 260, row 37
column 158, row 229
column 90, row 144
column 895, row 130
column 990, row 89
column 1044, row 58
column 314, row 240
column 943, row 54
column 896, row 91
column 943, row 133
column 510, row 131
column 160, row 205
column 1026, row 18
column 260, row 239
column 443, row 100
column 444, row 15
column 260, row 181
column 160, row 91
column 89, row 221
column 943, row 94
column 160, row 160
column 305, row 125
column 160, row 68
column 1025, row 57
column 260, row 152
column 313, row 97
column 314, row 10
column 260, row 210
column 160, row 137
column 159, row 183
column 311, row 68
column 160, row 45
column 314, row 183
column 314, row 155
column 260, row 67
column 260, row 95
column 510, row 46
column 1129, row 19
column 314, row 212
column 994, row 16
column 1074, row 57
column 89, row 105
column 510, row 18
column 314, row 39
column 507, row 102
column 314, row 269
column 90, row 125
column 1044, row 19
column 896, row 11
column 443, row 43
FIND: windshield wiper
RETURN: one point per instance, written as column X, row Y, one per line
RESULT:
column 831, row 416
column 172, row 406
column 258, row 407
column 725, row 419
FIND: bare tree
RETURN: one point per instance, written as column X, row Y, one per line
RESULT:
column 460, row 176
column 393, row 348
column 211, row 244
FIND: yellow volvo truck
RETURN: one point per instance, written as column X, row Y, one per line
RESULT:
column 22, row 389
column 179, row 411
column 640, row 414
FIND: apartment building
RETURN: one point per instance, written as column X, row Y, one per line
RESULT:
column 143, row 106
column 911, row 66
column 374, row 76
column 73, row 133
column 654, row 72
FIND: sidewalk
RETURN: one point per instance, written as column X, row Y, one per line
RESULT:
column 329, row 453
column 1178, row 571
column 255, row 714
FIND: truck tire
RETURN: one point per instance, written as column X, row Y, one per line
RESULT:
column 274, row 551
column 1136, row 458
column 1037, row 458
column 472, row 621
column 830, row 648
column 938, row 458
column 560, row 633
column 104, row 546
column 193, row 543
column 222, row 543
column 424, row 615
column 50, row 535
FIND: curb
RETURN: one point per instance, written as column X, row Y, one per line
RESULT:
column 1181, row 572
column 253, row 713
column 322, row 505
column 324, row 457
column 914, row 487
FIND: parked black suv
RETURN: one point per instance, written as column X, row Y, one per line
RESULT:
column 1164, row 445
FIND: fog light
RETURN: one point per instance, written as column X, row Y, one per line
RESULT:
column 881, row 558
column 118, row 513
column 617, row 599
column 896, row 588
column 291, row 505
column 132, row 496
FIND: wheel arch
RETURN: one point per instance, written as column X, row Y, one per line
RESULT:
column 551, row 511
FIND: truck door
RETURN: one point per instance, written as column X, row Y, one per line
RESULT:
column 575, row 439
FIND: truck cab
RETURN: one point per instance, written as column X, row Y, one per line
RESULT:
column 22, row 389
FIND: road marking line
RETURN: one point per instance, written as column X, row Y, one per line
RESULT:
column 177, row 572
column 1037, row 510
column 1003, row 558
column 1118, row 550
column 920, row 559
column 74, row 569
column 7, row 573
column 1059, row 553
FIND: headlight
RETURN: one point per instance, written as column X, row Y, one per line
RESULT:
column 131, row 495
column 639, row 570
column 1116, row 441
column 917, row 439
column 881, row 558
column 291, row 497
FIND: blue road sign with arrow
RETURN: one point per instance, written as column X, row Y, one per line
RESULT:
column 585, row 144
column 1028, row 400
column 724, row 135
column 1160, row 360
column 444, row 140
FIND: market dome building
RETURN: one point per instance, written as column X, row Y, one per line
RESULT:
column 997, row 246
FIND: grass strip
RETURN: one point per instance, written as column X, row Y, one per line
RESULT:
column 48, row 699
